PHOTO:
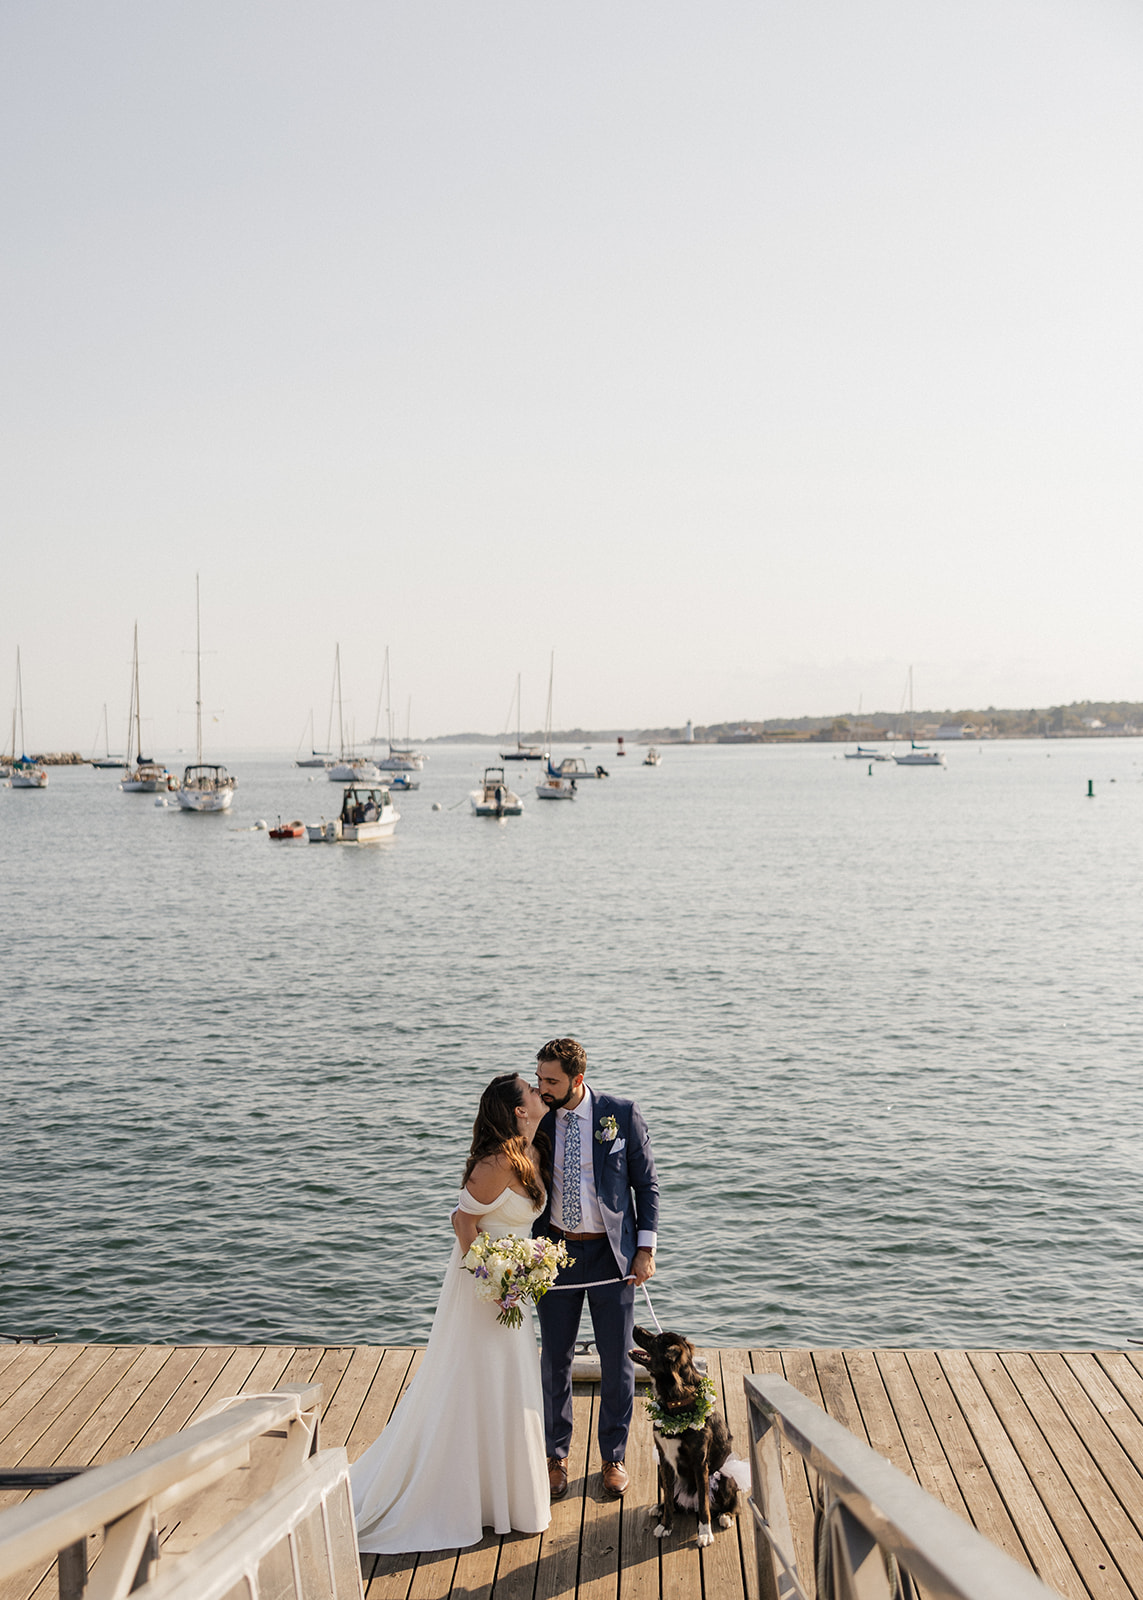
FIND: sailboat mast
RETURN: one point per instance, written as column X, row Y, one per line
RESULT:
column 197, row 675
column 19, row 707
column 519, row 746
column 340, row 720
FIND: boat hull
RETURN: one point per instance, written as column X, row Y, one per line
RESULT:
column 205, row 799
column 554, row 791
column 369, row 832
column 29, row 780
column 353, row 772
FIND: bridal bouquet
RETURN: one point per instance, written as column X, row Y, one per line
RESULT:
column 510, row 1270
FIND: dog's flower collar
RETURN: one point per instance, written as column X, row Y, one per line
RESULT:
column 608, row 1130
column 679, row 1421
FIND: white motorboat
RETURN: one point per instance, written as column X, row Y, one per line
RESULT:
column 575, row 767
column 324, row 832
column 205, row 787
column 652, row 758
column 367, row 813
column 141, row 774
column 494, row 798
column 918, row 755
column 23, row 772
column 401, row 783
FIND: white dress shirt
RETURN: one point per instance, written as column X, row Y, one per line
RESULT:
column 591, row 1217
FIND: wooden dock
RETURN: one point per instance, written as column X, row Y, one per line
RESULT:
column 1041, row 1450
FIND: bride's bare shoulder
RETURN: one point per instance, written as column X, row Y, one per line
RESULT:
column 489, row 1178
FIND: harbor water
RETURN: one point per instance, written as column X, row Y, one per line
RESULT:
column 883, row 1022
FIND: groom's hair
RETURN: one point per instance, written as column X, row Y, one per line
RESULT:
column 569, row 1054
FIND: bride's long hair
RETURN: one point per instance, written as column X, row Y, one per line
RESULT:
column 496, row 1132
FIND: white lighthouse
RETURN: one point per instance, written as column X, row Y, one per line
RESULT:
column 689, row 736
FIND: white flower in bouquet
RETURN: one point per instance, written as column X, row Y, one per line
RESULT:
column 510, row 1270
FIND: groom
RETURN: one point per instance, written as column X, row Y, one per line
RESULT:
column 605, row 1203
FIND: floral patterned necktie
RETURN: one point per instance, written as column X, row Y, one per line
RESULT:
column 573, row 1216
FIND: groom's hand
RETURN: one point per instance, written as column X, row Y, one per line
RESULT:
column 643, row 1266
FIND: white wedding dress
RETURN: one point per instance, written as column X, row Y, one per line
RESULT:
column 464, row 1450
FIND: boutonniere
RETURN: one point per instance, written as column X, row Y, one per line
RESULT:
column 608, row 1130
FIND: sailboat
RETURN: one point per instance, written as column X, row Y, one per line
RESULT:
column 865, row 752
column 918, row 755
column 348, row 768
column 205, row 787
column 400, row 758
column 23, row 772
column 522, row 752
column 106, row 761
column 316, row 758
column 144, row 776
column 553, row 785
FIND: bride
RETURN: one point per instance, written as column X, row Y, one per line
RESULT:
column 464, row 1450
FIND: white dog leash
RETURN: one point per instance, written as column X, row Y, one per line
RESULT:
column 602, row 1283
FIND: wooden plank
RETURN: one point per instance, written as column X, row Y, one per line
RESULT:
column 342, row 1408
column 1125, row 1375
column 77, row 1431
column 1117, row 1466
column 29, row 1393
column 639, row 1548
column 390, row 1577
column 476, row 1565
column 393, row 1373
column 599, row 1537
column 1099, row 1537
column 1117, row 1416
column 1044, row 1550
column 516, row 1574
column 432, row 1579
column 734, row 1365
column 558, row 1568
column 720, row 1562
column 983, row 1501
column 837, row 1393
column 930, row 1464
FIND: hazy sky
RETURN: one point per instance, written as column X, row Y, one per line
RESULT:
column 744, row 353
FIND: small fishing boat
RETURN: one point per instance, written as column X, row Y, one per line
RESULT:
column 367, row 813
column 494, row 798
column 652, row 758
column 576, row 767
column 288, row 830
column 401, row 783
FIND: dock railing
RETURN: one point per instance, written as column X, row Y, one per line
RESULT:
column 293, row 1538
column 875, row 1531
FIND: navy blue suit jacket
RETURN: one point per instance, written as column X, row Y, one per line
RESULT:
column 625, row 1179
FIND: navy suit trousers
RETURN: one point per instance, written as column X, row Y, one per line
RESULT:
column 612, row 1319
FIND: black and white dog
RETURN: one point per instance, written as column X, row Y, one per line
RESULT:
column 696, row 1468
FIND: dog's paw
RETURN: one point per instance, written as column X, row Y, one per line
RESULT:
column 724, row 1521
column 662, row 1533
column 705, row 1536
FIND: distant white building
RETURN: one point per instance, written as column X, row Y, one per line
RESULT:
column 689, row 736
column 953, row 730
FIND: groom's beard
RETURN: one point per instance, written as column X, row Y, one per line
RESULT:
column 553, row 1104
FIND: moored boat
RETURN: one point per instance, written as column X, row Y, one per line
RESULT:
column 288, row 830
column 652, row 758
column 367, row 813
column 494, row 798
column 206, row 786
column 23, row 772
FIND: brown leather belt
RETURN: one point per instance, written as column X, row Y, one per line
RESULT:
column 576, row 1238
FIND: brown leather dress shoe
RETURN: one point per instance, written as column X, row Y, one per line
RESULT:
column 615, row 1479
column 558, row 1476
